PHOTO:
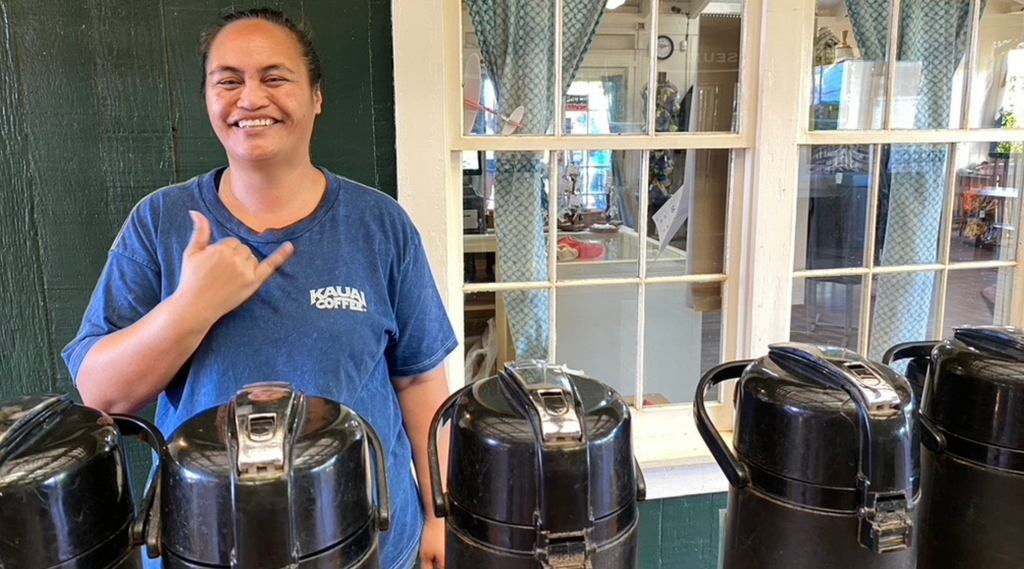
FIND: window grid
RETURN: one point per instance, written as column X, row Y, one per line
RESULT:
column 565, row 143
column 942, row 268
column 742, row 141
column 890, row 136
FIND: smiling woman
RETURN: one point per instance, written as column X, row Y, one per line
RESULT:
column 261, row 104
column 212, row 284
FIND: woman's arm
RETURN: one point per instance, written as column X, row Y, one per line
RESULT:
column 127, row 369
column 419, row 399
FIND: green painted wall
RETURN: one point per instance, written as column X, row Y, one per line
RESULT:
column 100, row 105
column 681, row 533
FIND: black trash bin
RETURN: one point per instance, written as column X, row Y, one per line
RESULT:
column 541, row 474
column 972, row 479
column 65, row 492
column 821, row 476
column 273, row 479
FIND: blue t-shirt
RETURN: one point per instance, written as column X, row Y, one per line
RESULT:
column 353, row 310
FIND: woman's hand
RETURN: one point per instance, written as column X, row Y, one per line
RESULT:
column 217, row 278
column 432, row 545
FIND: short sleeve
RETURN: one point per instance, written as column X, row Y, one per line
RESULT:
column 425, row 334
column 128, row 288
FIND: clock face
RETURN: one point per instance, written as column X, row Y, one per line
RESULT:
column 665, row 47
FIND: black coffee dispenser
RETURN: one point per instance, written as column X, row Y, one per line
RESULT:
column 541, row 475
column 273, row 479
column 972, row 467
column 822, row 470
column 65, row 493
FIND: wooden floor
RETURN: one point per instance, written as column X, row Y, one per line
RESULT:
column 837, row 318
column 837, row 323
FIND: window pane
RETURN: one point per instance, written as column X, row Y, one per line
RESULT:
column 850, row 69
column 998, row 88
column 978, row 297
column 596, row 331
column 986, row 210
column 911, row 198
column 827, row 311
column 832, row 212
column 598, row 205
column 934, row 37
column 681, row 342
column 688, row 202
column 486, row 335
column 903, row 309
column 849, row 79
column 504, row 240
column 699, row 69
column 509, row 67
column 504, row 213
column 606, row 78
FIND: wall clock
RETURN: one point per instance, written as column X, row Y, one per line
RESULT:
column 665, row 47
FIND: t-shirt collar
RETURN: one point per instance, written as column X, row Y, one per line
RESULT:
column 210, row 196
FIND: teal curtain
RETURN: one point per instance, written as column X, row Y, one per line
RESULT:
column 517, row 43
column 934, row 32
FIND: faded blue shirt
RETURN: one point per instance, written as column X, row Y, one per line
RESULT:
column 354, row 310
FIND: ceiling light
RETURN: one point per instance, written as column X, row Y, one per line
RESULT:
column 613, row 4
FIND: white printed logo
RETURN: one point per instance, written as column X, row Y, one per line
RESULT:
column 338, row 297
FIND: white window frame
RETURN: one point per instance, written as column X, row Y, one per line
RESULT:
column 760, row 260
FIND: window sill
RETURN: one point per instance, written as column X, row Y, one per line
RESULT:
column 673, row 457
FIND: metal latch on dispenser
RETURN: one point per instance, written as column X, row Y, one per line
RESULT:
column 888, row 526
column 558, row 418
column 566, row 552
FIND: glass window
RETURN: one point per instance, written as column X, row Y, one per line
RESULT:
column 986, row 202
column 619, row 216
column 899, row 233
column 852, row 55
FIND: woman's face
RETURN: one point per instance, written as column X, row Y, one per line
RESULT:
column 258, row 94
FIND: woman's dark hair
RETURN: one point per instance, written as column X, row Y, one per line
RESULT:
column 299, row 31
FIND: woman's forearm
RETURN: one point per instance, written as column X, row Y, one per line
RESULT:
column 127, row 369
column 419, row 400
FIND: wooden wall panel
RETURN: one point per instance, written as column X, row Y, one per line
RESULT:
column 26, row 364
column 96, row 115
column 100, row 105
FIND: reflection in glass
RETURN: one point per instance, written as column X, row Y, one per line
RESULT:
column 680, row 344
column 700, row 60
column 997, row 98
column 603, row 96
column 596, row 333
column 597, row 214
column 986, row 206
column 832, row 212
column 827, row 311
column 933, row 48
column 485, row 337
column 511, row 46
column 850, row 70
column 977, row 298
column 849, row 80
column 688, row 203
column 911, row 198
column 903, row 309
column 608, row 80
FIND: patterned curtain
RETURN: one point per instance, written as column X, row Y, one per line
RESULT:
column 934, row 32
column 517, row 43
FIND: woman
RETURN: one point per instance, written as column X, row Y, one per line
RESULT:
column 274, row 269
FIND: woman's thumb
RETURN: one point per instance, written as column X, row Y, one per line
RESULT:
column 200, row 233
